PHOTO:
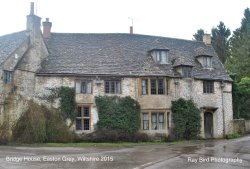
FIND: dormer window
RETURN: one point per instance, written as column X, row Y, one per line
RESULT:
column 160, row 56
column 187, row 71
column 207, row 61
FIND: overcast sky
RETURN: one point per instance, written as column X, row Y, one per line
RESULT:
column 169, row 18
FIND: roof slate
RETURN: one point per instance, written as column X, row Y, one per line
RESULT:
column 9, row 43
column 124, row 55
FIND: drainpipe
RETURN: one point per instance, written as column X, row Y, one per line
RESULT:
column 222, row 85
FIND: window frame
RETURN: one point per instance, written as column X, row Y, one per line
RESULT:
column 7, row 76
column 84, row 87
column 116, row 87
column 158, row 55
column 83, row 117
column 154, row 86
column 207, row 62
column 154, row 120
column 157, row 120
column 187, row 71
column 208, row 86
column 144, row 87
column 145, row 120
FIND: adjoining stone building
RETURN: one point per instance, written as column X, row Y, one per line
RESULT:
column 151, row 69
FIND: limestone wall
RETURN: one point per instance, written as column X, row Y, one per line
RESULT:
column 185, row 88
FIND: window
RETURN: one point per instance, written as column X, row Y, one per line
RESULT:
column 84, row 87
column 186, row 71
column 144, row 87
column 208, row 86
column 113, row 87
column 7, row 76
column 160, row 86
column 157, row 121
column 145, row 121
column 160, row 56
column 155, row 86
column 207, row 61
column 83, row 118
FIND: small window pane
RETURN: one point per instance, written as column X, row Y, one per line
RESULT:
column 79, row 111
column 145, row 121
column 144, row 87
column 164, row 56
column 86, row 124
column 118, row 87
column 78, row 87
column 86, row 111
column 161, row 121
column 89, row 87
column 160, row 86
column 153, row 86
column 154, row 121
column 107, row 87
column 78, row 124
column 7, row 77
column 112, row 87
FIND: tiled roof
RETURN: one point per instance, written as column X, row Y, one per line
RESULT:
column 9, row 43
column 123, row 55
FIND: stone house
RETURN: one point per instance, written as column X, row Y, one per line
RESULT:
column 151, row 69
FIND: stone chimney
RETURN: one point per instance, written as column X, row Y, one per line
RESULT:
column 131, row 29
column 47, row 28
column 33, row 22
column 207, row 39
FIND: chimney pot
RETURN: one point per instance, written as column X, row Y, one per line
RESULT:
column 131, row 30
column 32, row 8
column 207, row 39
column 47, row 28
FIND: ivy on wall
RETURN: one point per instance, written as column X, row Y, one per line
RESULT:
column 118, row 113
column 66, row 96
column 67, row 102
column 187, row 119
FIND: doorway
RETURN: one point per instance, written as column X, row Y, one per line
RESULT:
column 208, row 124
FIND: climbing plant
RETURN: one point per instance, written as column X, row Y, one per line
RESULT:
column 118, row 113
column 187, row 119
column 66, row 96
column 67, row 101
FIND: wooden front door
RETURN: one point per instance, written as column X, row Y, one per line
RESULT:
column 208, row 124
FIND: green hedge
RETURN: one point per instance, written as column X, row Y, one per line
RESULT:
column 118, row 113
column 187, row 119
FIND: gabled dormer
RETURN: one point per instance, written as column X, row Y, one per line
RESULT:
column 160, row 56
column 183, row 66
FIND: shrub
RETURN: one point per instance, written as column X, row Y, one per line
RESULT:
column 118, row 113
column 5, row 135
column 109, row 135
column 39, row 124
column 30, row 127
column 186, row 117
column 56, row 128
column 231, row 136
